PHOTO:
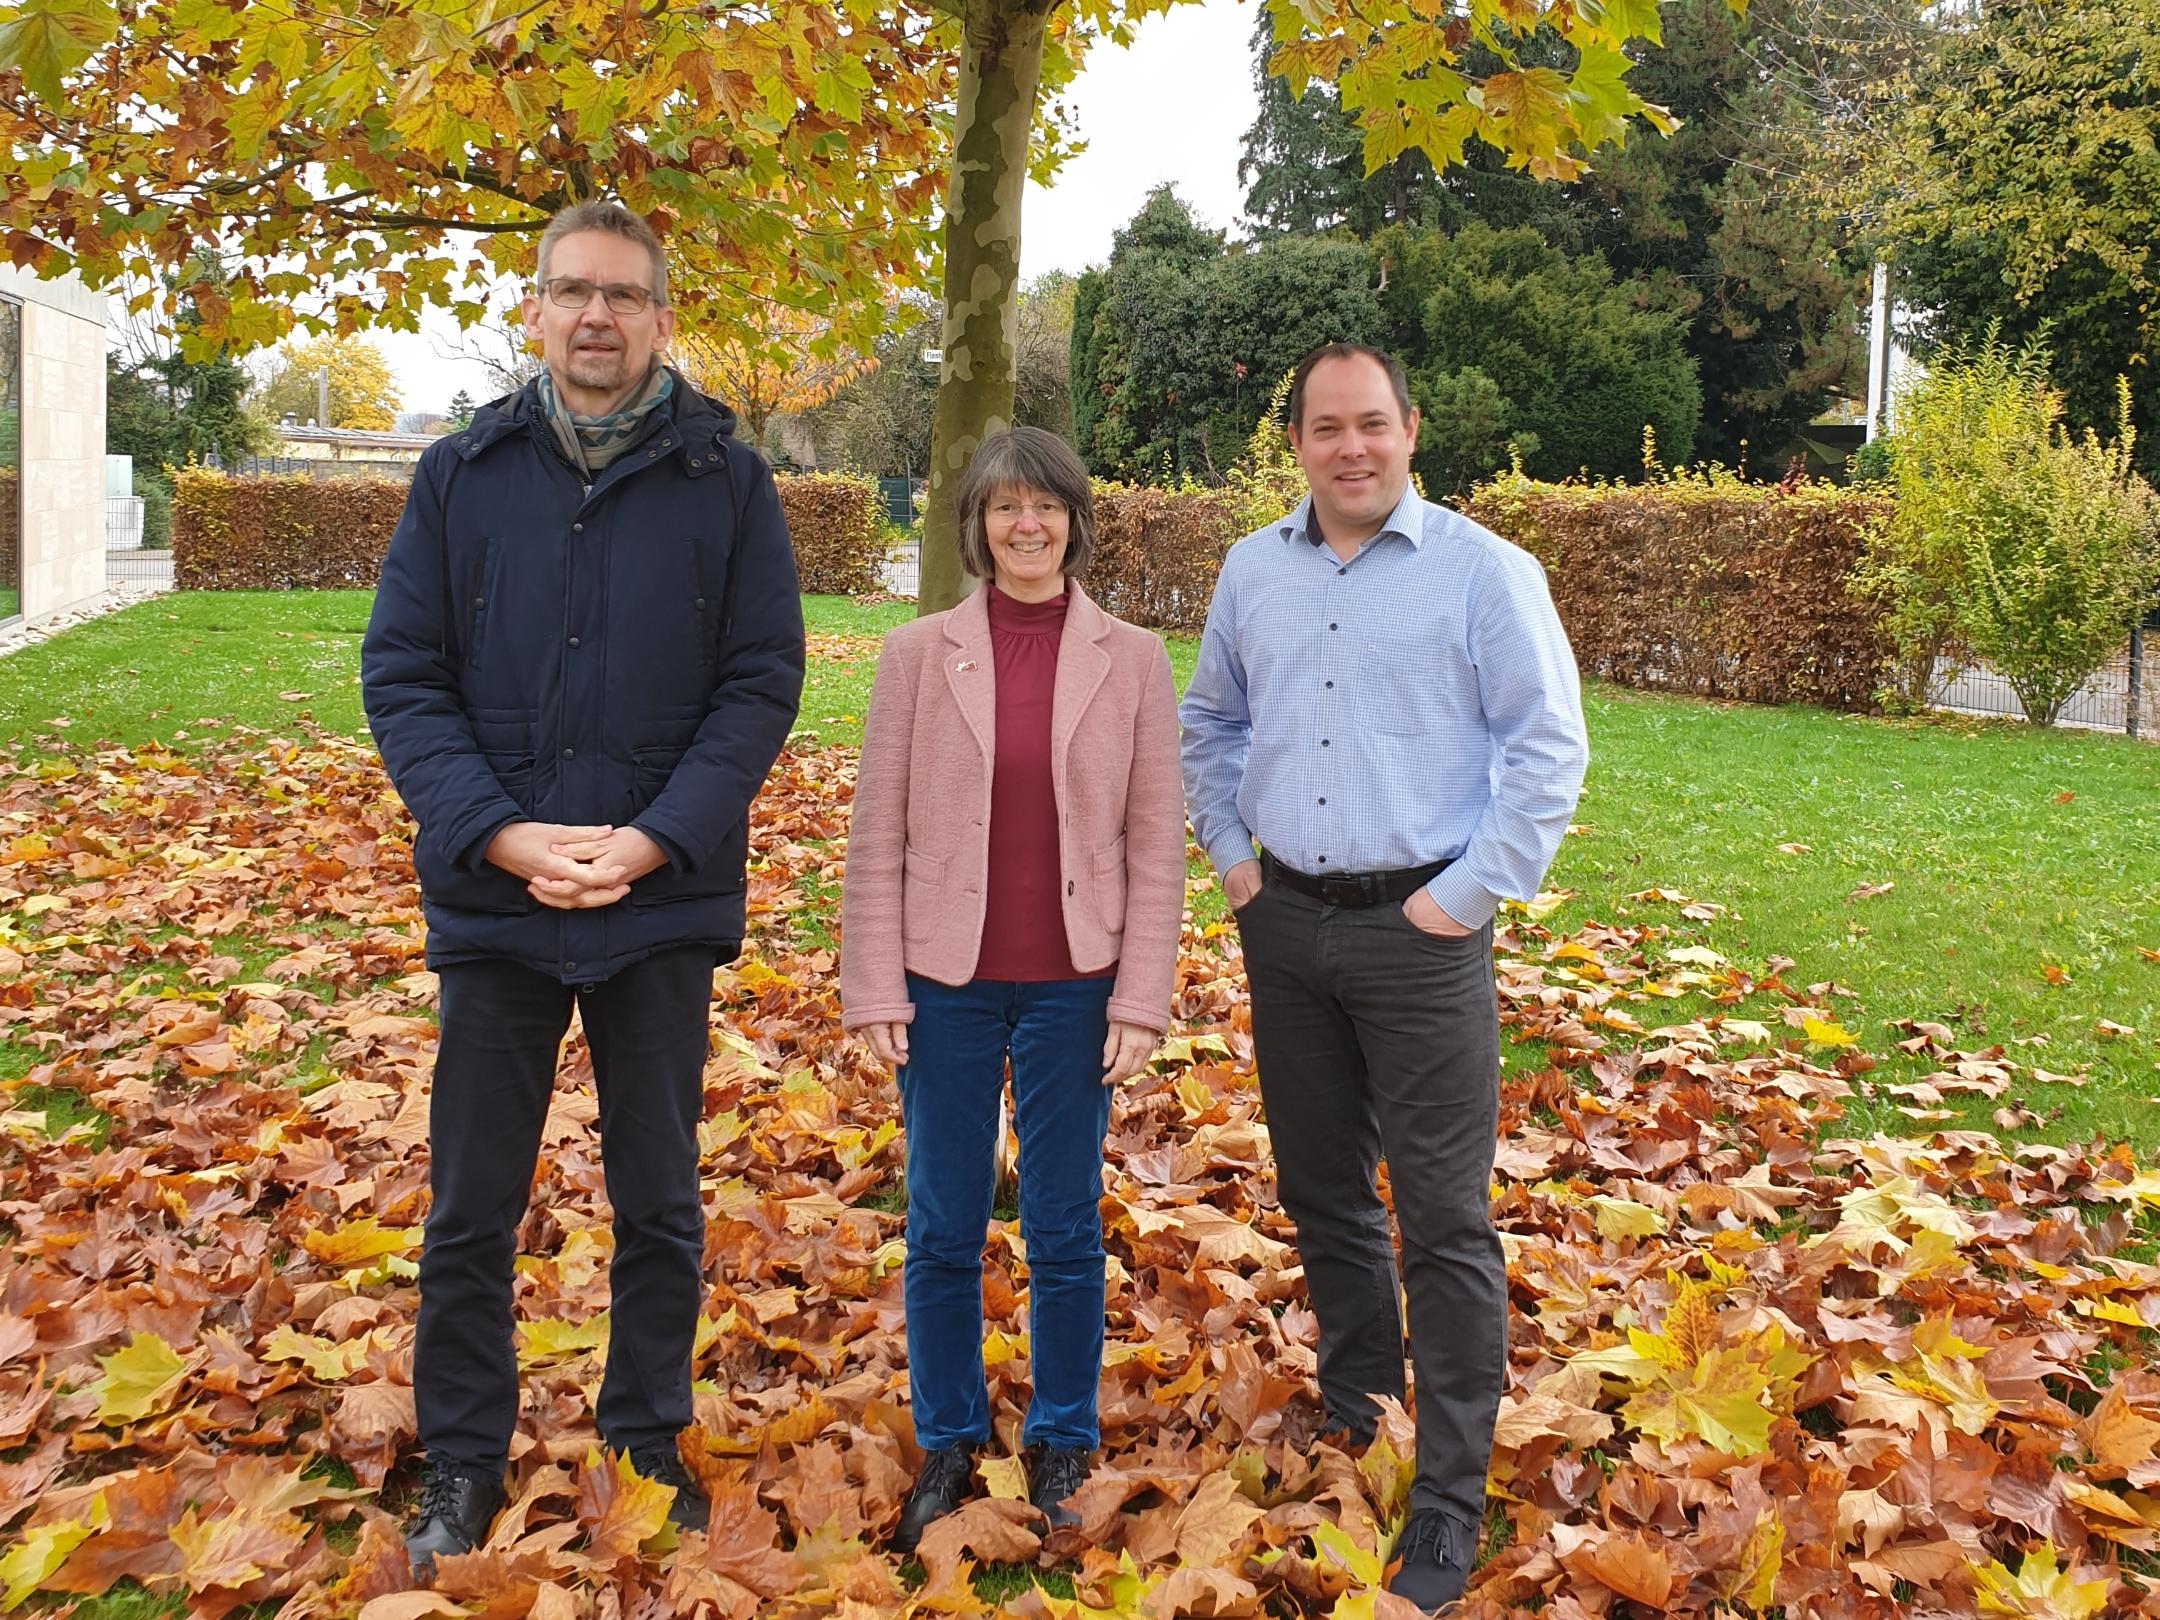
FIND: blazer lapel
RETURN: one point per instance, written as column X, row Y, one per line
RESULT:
column 1083, row 664
column 969, row 669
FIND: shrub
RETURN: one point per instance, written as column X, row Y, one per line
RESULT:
column 1513, row 346
column 839, row 529
column 1702, row 583
column 157, row 510
column 297, row 533
column 280, row 533
column 1157, row 552
column 2011, row 539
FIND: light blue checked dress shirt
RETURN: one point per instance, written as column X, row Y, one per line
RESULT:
column 1418, row 703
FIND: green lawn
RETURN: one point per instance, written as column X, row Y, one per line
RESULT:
column 2009, row 851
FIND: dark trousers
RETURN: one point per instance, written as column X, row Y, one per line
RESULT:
column 1375, row 1038
column 502, row 1031
column 957, row 1050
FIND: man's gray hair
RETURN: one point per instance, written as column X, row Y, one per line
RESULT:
column 598, row 215
column 1025, row 458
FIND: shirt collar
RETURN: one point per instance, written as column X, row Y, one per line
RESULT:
column 1407, row 520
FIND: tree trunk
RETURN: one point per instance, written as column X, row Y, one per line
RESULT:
column 1000, row 69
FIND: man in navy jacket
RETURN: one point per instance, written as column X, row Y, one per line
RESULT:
column 585, row 653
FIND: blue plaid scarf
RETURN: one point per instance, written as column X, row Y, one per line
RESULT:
column 591, row 442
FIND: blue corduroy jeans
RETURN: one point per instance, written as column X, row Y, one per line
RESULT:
column 957, row 1050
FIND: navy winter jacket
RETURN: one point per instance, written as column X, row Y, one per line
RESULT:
column 628, row 654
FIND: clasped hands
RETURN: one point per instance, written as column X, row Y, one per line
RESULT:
column 575, row 868
column 1125, row 1052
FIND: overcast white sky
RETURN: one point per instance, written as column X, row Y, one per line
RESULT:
column 1172, row 108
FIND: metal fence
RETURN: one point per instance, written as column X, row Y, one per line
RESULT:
column 123, row 522
column 2121, row 697
column 314, row 467
column 139, row 567
column 902, row 571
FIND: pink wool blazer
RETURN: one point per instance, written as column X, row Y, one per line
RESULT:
column 919, row 842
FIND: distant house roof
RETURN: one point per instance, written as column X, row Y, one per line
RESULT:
column 353, row 438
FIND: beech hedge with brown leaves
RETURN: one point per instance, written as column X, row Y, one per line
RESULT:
column 1755, row 1363
column 291, row 532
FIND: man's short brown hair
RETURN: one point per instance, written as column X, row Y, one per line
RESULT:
column 1397, row 378
column 598, row 215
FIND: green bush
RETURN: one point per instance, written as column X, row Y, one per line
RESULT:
column 2012, row 540
column 157, row 511
column 1516, row 349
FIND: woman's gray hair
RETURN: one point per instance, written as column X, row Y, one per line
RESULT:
column 1030, row 458
column 616, row 220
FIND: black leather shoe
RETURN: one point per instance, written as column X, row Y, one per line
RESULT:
column 1435, row 1555
column 663, row 1465
column 1058, row 1472
column 939, row 1488
column 458, row 1503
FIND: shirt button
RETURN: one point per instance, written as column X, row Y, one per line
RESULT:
column 701, row 604
column 1068, row 886
column 577, row 528
column 1323, row 860
column 1331, row 686
column 479, row 601
column 1334, row 627
column 571, row 753
column 1323, row 801
column 1323, row 742
column 1342, row 571
column 573, row 641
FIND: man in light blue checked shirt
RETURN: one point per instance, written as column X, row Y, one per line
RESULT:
column 1387, row 706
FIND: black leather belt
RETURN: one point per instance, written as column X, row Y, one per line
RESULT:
column 1352, row 888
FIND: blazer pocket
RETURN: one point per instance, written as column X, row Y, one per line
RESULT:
column 1110, row 887
column 922, row 893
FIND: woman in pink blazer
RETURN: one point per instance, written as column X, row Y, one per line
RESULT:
column 1015, row 885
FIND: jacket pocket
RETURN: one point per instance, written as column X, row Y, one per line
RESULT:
column 488, row 889
column 505, row 738
column 922, row 893
column 478, row 604
column 1110, row 887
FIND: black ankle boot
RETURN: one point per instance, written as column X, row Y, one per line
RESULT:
column 663, row 1464
column 458, row 1503
column 1058, row 1472
column 939, row 1488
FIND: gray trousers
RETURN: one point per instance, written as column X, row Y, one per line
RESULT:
column 1375, row 1038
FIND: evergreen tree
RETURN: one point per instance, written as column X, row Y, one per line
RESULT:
column 461, row 411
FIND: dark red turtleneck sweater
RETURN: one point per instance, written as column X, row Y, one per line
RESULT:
column 1024, row 917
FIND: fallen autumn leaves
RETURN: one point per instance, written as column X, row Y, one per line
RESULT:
column 1754, row 1364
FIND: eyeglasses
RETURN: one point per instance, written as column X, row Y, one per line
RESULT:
column 623, row 297
column 1046, row 511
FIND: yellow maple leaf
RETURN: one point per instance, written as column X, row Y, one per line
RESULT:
column 2038, row 1591
column 40, row 1552
column 548, row 1337
column 1004, row 1477
column 1826, row 1032
column 1624, row 1218
column 326, row 1361
column 139, row 1379
column 357, row 1242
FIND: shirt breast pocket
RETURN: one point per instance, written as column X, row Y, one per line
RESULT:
column 1397, row 686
